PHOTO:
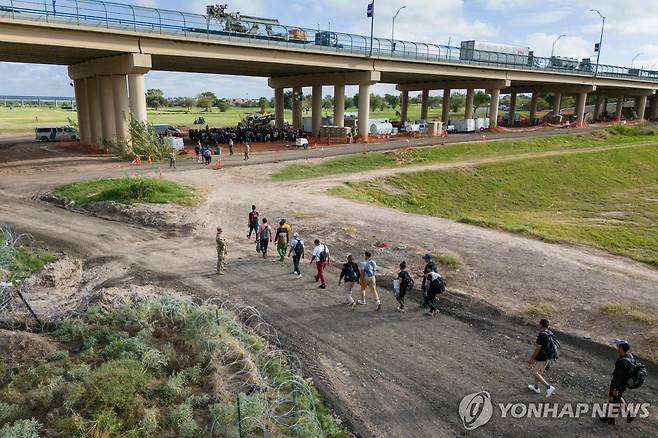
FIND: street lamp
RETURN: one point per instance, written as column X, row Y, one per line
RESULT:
column 598, row 54
column 393, row 29
column 634, row 58
column 555, row 42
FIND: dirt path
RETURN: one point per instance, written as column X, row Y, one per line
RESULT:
column 387, row 374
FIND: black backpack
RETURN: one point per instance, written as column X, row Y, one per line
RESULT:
column 350, row 274
column 299, row 248
column 636, row 375
column 438, row 285
column 407, row 281
column 323, row 254
column 552, row 347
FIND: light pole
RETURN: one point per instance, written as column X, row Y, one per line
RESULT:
column 634, row 58
column 598, row 54
column 393, row 29
column 555, row 42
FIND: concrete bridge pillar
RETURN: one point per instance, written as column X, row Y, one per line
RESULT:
column 316, row 109
column 82, row 110
column 620, row 108
column 512, row 109
column 493, row 107
column 640, row 106
column 297, row 108
column 445, row 110
column 533, row 106
column 109, row 127
column 470, row 97
column 278, row 108
column 424, row 103
column 339, row 105
column 364, row 111
column 597, row 107
column 653, row 108
column 404, row 106
column 94, row 109
column 557, row 102
column 580, row 109
column 121, row 108
column 137, row 96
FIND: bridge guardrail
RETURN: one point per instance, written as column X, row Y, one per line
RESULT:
column 112, row 15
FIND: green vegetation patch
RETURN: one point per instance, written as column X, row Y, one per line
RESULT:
column 20, row 256
column 620, row 135
column 129, row 191
column 607, row 199
column 164, row 367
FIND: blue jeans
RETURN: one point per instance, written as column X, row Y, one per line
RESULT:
column 252, row 228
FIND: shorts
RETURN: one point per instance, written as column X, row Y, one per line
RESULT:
column 539, row 367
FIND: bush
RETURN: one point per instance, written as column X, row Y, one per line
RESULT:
column 21, row 429
column 144, row 143
column 116, row 386
column 7, row 412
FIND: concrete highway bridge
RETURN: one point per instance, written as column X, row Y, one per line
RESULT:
column 109, row 47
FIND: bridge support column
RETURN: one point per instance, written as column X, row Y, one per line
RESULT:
column 137, row 97
column 597, row 107
column 94, row 109
column 653, row 108
column 297, row 108
column 121, row 108
column 512, row 109
column 404, row 106
column 493, row 107
column 557, row 101
column 533, row 107
column 640, row 106
column 339, row 105
column 445, row 110
column 107, row 110
column 364, row 111
column 316, row 109
column 82, row 110
column 424, row 104
column 278, row 108
column 580, row 109
column 470, row 97
column 620, row 108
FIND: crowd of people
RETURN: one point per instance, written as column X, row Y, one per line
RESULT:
column 244, row 133
column 628, row 372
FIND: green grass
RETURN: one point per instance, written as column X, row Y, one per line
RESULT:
column 19, row 257
column 454, row 152
column 129, row 191
column 627, row 311
column 162, row 367
column 607, row 199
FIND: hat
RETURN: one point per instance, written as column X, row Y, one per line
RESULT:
column 427, row 256
column 219, row 228
column 622, row 343
column 295, row 234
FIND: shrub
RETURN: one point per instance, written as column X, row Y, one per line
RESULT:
column 116, row 386
column 21, row 429
column 8, row 412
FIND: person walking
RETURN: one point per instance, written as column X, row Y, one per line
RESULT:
column 539, row 359
column 264, row 236
column 172, row 159
column 252, row 222
column 435, row 285
column 297, row 253
column 282, row 239
column 350, row 274
column 619, row 383
column 247, row 149
column 230, row 147
column 430, row 266
column 368, row 280
column 321, row 259
column 197, row 150
column 221, row 251
column 406, row 283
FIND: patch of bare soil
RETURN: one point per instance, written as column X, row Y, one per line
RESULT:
column 18, row 347
column 173, row 219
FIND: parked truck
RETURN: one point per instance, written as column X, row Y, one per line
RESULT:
column 495, row 53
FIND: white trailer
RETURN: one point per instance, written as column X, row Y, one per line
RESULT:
column 465, row 125
column 495, row 53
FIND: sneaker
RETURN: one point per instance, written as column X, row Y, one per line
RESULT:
column 299, row 276
column 534, row 389
column 550, row 391
column 316, row 278
column 361, row 302
column 353, row 306
column 379, row 307
column 322, row 286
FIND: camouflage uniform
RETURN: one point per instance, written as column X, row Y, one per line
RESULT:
column 221, row 251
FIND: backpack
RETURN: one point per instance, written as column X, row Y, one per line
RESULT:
column 407, row 281
column 299, row 247
column 350, row 274
column 265, row 234
column 552, row 347
column 636, row 375
column 323, row 254
column 369, row 269
column 254, row 218
column 438, row 284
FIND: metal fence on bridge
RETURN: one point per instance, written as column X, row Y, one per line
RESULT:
column 140, row 19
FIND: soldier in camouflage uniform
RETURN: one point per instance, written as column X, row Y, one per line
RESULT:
column 221, row 251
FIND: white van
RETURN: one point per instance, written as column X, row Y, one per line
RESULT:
column 56, row 133
column 168, row 130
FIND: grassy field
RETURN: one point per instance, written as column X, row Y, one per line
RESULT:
column 607, row 199
column 25, row 120
column 128, row 191
column 456, row 152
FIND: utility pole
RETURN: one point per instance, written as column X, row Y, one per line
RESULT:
column 555, row 42
column 393, row 29
column 371, row 14
column 598, row 52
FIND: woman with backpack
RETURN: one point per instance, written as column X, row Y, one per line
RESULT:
column 264, row 237
column 406, row 284
column 350, row 274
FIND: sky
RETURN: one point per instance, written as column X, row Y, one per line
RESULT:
column 630, row 29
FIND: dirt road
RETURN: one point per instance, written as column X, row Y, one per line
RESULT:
column 385, row 373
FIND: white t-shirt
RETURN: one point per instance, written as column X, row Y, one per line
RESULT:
column 293, row 245
column 318, row 249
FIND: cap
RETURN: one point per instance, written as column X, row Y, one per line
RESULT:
column 295, row 234
column 427, row 256
column 622, row 342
